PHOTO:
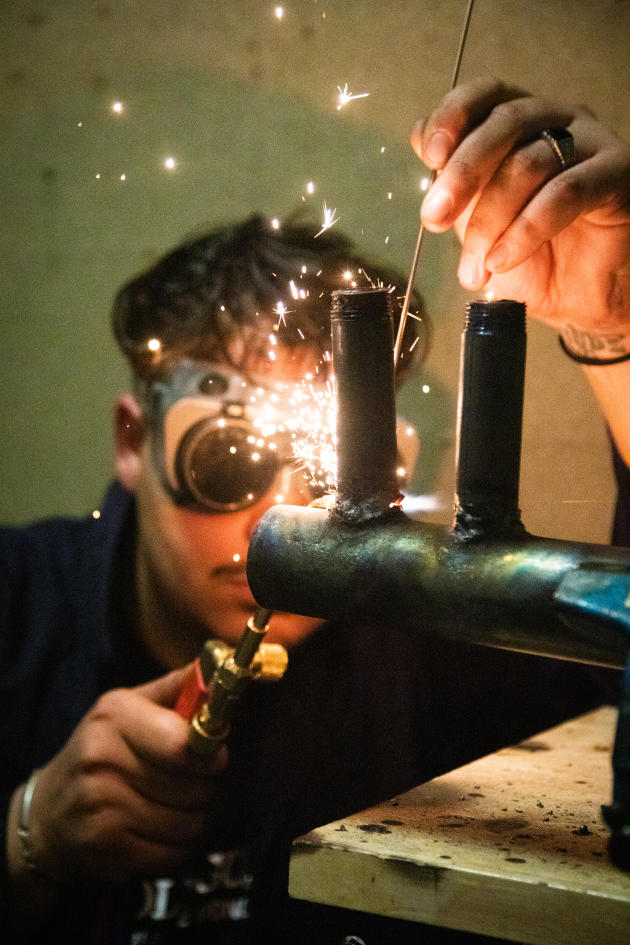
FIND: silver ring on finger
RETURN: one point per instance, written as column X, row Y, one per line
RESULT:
column 561, row 142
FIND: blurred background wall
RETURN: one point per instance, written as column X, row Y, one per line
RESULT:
column 244, row 103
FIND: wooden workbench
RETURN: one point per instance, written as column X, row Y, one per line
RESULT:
column 512, row 846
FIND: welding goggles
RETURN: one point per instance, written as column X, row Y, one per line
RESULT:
column 221, row 441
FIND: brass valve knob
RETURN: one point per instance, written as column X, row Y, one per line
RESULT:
column 270, row 662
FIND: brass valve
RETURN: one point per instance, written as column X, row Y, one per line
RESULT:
column 226, row 672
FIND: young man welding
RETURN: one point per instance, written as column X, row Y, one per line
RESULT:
column 116, row 830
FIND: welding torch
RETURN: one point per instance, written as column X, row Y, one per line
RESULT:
column 218, row 677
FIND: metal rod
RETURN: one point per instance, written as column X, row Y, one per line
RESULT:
column 416, row 256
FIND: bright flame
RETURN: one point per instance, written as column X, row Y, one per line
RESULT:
column 154, row 344
column 170, row 163
column 314, row 438
column 279, row 12
column 117, row 107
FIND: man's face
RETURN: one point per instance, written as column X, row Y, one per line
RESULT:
column 191, row 574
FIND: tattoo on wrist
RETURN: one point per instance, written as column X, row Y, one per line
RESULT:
column 588, row 347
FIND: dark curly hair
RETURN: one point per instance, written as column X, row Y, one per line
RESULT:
column 230, row 285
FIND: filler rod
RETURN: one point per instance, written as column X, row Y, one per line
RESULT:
column 416, row 256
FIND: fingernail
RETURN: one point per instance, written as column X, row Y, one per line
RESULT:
column 436, row 206
column 437, row 149
column 497, row 257
column 416, row 136
column 471, row 272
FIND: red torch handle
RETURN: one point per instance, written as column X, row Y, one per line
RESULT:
column 193, row 694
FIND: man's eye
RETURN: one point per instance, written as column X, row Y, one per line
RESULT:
column 213, row 384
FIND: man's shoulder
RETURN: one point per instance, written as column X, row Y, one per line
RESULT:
column 54, row 573
column 61, row 543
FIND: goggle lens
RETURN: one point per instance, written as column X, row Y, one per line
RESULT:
column 223, row 469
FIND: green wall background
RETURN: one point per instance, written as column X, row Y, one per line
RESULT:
column 246, row 104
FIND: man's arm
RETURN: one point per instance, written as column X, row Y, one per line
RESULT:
column 124, row 797
column 611, row 385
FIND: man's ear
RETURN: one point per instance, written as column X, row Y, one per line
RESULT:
column 129, row 434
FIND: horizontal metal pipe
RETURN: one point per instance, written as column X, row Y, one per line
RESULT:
column 497, row 592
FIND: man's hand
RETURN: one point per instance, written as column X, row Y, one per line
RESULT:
column 125, row 795
column 557, row 240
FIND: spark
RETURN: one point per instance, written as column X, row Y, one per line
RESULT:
column 123, row 177
column 329, row 220
column 424, row 183
column 236, row 558
column 314, row 439
column 275, row 223
column 154, row 344
column 425, row 388
column 279, row 12
column 310, row 187
column 96, row 513
column 117, row 107
column 170, row 163
column 281, row 311
column 346, row 96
